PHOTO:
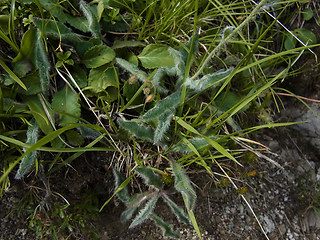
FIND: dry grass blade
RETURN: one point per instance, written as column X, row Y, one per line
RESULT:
column 244, row 199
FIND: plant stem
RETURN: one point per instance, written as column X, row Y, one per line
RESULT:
column 231, row 35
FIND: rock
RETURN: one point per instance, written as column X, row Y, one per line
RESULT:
column 313, row 220
column 269, row 226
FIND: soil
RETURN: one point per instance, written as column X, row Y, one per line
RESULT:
column 284, row 196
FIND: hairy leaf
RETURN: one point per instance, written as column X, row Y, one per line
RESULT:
column 123, row 195
column 156, row 80
column 28, row 161
column 127, row 214
column 137, row 199
column 151, row 179
column 207, row 81
column 42, row 63
column 166, row 227
column 93, row 23
column 163, row 125
column 66, row 101
column 183, row 185
column 170, row 103
column 98, row 56
column 131, row 68
column 145, row 212
column 137, row 129
column 177, row 210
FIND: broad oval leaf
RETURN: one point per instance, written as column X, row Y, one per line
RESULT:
column 98, row 56
column 156, row 56
column 101, row 78
column 306, row 36
column 66, row 101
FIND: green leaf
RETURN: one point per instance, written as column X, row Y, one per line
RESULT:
column 56, row 30
column 183, row 185
column 145, row 213
column 229, row 99
column 56, row 9
column 80, row 23
column 74, row 138
column 80, row 76
column 42, row 63
column 27, row 46
column 12, row 74
column 307, row 14
column 163, row 125
column 207, row 81
column 101, row 78
column 306, row 36
column 22, row 67
column 127, row 44
column 39, row 113
column 156, row 56
column 93, row 22
column 32, row 82
column 123, row 195
column 150, row 178
column 98, row 56
column 4, row 21
column 131, row 68
column 100, row 9
column 170, row 103
column 66, row 101
column 290, row 42
column 11, row 106
column 28, row 160
column 59, row 64
column 48, row 138
column 127, row 214
column 132, row 205
column 137, row 129
column 177, row 210
column 129, row 89
column 197, row 142
column 221, row 149
column 166, row 228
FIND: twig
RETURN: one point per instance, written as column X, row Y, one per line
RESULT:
column 304, row 98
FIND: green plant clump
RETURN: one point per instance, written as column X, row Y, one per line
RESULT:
column 185, row 80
